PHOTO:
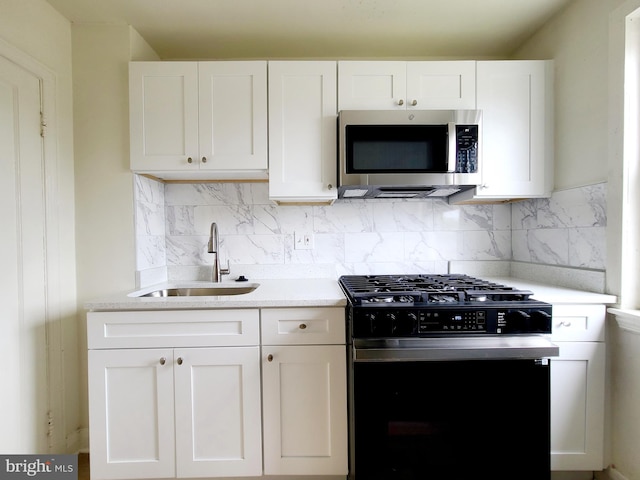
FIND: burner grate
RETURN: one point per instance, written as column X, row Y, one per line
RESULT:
column 428, row 289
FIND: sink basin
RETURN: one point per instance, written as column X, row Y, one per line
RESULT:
column 203, row 291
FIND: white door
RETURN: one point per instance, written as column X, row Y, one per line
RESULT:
column 217, row 392
column 513, row 98
column 441, row 85
column 302, row 131
column 233, row 115
column 577, row 406
column 23, row 317
column 131, row 423
column 372, row 85
column 163, row 116
column 304, row 410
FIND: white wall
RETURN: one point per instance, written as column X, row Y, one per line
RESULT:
column 50, row 46
column 104, row 183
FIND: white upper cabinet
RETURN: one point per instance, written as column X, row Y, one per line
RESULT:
column 302, row 131
column 394, row 85
column 516, row 99
column 199, row 120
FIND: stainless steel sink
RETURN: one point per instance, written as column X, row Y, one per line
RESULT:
column 203, row 291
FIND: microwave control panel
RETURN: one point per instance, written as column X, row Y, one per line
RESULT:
column 466, row 148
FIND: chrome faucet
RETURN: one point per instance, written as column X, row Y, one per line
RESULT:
column 214, row 248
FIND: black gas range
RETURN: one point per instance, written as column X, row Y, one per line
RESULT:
column 449, row 377
column 422, row 305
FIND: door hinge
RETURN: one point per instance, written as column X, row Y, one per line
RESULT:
column 43, row 125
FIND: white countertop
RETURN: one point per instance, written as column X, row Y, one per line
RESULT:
column 298, row 292
column 306, row 292
column 553, row 294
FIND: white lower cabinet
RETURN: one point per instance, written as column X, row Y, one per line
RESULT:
column 304, row 410
column 304, row 391
column 174, row 412
column 177, row 394
column 191, row 412
column 131, row 413
column 578, row 388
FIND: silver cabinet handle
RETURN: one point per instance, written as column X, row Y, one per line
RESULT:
column 189, row 160
column 179, row 360
column 401, row 102
column 330, row 186
column 414, row 103
column 564, row 324
column 303, row 326
column 204, row 159
column 163, row 361
column 269, row 358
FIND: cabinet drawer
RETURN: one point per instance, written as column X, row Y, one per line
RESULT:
column 578, row 323
column 303, row 326
column 178, row 328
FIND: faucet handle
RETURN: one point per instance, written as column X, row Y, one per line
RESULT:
column 226, row 271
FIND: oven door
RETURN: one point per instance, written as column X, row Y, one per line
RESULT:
column 452, row 408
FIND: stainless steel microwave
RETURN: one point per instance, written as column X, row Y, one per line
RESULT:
column 408, row 154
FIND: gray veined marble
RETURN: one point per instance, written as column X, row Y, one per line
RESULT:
column 567, row 230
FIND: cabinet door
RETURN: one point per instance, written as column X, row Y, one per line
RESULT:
column 374, row 85
column 302, row 131
column 304, row 410
column 233, row 115
column 515, row 99
column 163, row 115
column 217, row 393
column 131, row 414
column 577, row 407
column 441, row 85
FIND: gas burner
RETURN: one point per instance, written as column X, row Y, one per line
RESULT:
column 443, row 298
column 388, row 299
column 379, row 300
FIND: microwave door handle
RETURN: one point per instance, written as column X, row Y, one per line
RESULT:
column 452, row 155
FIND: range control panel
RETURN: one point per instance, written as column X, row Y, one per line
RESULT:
column 411, row 322
column 461, row 321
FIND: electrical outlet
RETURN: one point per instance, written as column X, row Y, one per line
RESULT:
column 303, row 240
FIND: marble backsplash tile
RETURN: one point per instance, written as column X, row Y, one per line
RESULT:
column 355, row 236
column 568, row 229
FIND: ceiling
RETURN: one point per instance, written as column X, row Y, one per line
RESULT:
column 236, row 29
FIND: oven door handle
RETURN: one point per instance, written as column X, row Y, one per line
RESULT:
column 443, row 349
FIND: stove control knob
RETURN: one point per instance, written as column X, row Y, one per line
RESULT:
column 406, row 324
column 518, row 321
column 383, row 325
column 541, row 321
column 368, row 325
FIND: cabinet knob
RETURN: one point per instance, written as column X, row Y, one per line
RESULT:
column 189, row 160
column 330, row 186
column 414, row 103
column 179, row 360
column 204, row 159
column 269, row 358
column 401, row 102
column 163, row 361
column 303, row 326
